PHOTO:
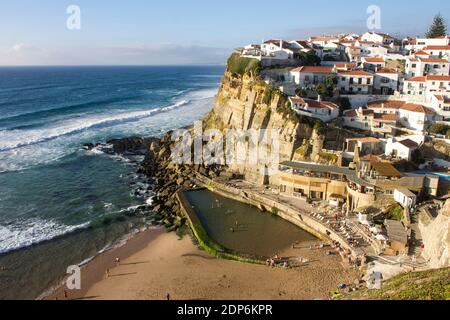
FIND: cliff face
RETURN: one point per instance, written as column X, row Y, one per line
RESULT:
column 436, row 237
column 245, row 103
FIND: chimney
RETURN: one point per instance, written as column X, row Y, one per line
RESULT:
column 281, row 44
column 319, row 98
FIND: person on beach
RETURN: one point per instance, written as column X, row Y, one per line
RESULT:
column 66, row 295
column 117, row 261
column 107, row 273
column 168, row 297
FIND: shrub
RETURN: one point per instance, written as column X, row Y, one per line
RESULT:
column 439, row 128
column 241, row 66
column 396, row 213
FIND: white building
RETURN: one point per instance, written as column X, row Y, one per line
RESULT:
column 377, row 37
column 411, row 116
column 301, row 45
column 382, row 125
column 438, row 51
column 427, row 86
column 309, row 76
column 401, row 149
column 416, row 67
column 386, row 81
column 355, row 82
column 421, row 43
column 277, row 49
column 373, row 63
column 323, row 110
column 252, row 51
column 405, row 198
column 441, row 104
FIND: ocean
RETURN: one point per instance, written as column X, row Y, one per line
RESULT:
column 61, row 204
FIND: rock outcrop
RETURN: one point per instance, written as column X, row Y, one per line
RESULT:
column 436, row 237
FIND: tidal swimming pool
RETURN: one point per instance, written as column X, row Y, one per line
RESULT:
column 242, row 227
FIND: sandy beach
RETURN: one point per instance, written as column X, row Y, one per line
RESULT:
column 155, row 263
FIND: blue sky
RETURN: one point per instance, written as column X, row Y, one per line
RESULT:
column 184, row 31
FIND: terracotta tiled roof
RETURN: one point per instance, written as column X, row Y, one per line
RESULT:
column 437, row 48
column 400, row 105
column 312, row 69
column 421, row 53
column 375, row 60
column 417, row 79
column 417, row 108
column 385, row 117
column 350, row 113
column 365, row 140
column 386, row 169
column 304, row 44
column 321, row 104
column 314, row 103
column 438, row 78
column 297, row 100
column 387, row 70
column 434, row 60
column 409, row 144
column 356, row 73
column 442, row 98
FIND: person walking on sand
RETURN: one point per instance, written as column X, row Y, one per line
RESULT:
column 168, row 297
column 66, row 295
column 107, row 273
column 117, row 261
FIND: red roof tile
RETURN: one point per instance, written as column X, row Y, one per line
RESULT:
column 312, row 69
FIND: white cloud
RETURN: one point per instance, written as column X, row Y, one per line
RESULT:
column 132, row 54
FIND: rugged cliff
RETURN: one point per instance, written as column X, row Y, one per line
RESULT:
column 436, row 237
column 245, row 102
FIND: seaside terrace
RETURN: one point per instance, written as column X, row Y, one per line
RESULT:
column 324, row 182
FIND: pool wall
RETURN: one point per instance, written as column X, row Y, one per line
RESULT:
column 205, row 241
column 284, row 211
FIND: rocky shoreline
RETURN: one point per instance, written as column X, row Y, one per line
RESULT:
column 165, row 178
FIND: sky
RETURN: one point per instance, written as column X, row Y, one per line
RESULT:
column 170, row 32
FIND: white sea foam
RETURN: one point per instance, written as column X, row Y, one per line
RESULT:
column 50, row 150
column 12, row 139
column 25, row 233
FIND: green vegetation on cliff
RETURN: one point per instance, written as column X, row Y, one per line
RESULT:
column 239, row 65
column 426, row 285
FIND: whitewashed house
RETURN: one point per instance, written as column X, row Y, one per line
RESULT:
column 421, row 43
column 442, row 52
column 355, row 82
column 378, row 38
column 405, row 198
column 277, row 49
column 386, row 81
column 373, row 63
column 400, row 149
column 353, row 53
column 427, row 86
column 416, row 67
column 309, row 76
column 379, row 124
column 323, row 110
column 411, row 116
column 301, row 45
column 252, row 51
column 441, row 104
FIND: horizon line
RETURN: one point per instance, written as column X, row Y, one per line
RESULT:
column 113, row 65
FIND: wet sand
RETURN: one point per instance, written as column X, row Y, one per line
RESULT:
column 154, row 264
